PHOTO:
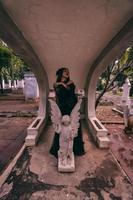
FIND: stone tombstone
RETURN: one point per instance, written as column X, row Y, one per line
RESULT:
column 131, row 109
column 3, row 83
column 20, row 83
column 125, row 100
column 31, row 90
column 114, row 91
column 6, row 85
column 129, row 120
column 10, row 83
column 115, row 83
column 15, row 84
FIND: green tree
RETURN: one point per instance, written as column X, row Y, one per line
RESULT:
column 12, row 66
column 117, row 71
column 17, row 68
column 5, row 60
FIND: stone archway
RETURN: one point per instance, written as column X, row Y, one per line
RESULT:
column 114, row 49
column 15, row 39
column 73, row 47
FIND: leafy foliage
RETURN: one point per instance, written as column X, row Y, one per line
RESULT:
column 5, row 60
column 5, row 57
column 116, row 73
column 17, row 68
column 12, row 67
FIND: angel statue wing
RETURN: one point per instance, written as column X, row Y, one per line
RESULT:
column 56, row 115
column 75, row 117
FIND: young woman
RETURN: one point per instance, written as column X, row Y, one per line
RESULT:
column 66, row 100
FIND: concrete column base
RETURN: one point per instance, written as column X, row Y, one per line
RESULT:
column 99, row 132
column 103, row 142
column 34, row 131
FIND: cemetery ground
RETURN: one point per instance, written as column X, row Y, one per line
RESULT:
column 105, row 174
column 15, row 116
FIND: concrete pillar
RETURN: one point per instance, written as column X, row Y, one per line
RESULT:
column 19, row 84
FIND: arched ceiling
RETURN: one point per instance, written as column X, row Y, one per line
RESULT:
column 69, row 33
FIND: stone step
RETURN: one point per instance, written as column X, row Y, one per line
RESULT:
column 11, row 97
column 18, row 114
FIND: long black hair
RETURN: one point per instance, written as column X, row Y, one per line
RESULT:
column 59, row 74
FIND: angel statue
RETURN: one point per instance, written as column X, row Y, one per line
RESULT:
column 67, row 127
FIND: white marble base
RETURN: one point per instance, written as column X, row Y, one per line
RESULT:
column 103, row 142
column 69, row 167
column 34, row 131
column 99, row 132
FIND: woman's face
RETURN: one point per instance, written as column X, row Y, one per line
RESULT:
column 65, row 73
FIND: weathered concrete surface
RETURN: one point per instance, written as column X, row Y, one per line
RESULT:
column 12, row 136
column 97, row 176
column 13, row 130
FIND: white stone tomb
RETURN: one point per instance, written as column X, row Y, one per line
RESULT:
column 31, row 90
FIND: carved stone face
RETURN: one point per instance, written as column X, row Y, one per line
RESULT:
column 66, row 120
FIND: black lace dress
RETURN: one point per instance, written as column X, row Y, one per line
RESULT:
column 66, row 100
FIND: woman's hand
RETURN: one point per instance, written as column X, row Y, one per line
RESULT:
column 64, row 85
column 69, row 83
column 60, row 83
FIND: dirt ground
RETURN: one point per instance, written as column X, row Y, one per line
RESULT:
column 105, row 113
column 121, row 144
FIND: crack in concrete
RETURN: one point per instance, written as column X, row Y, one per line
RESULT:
column 26, row 182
